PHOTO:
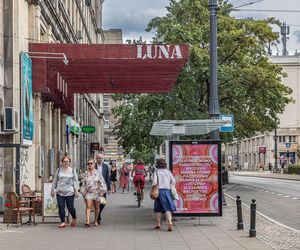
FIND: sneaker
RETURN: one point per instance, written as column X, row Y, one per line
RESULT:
column 134, row 193
column 143, row 201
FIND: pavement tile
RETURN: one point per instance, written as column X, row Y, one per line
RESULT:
column 124, row 227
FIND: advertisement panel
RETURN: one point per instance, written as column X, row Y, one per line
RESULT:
column 196, row 166
column 26, row 99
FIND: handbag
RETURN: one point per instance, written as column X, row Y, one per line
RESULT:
column 102, row 200
column 174, row 193
column 155, row 189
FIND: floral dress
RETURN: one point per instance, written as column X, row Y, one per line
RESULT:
column 93, row 186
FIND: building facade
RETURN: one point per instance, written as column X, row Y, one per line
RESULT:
column 250, row 153
column 55, row 133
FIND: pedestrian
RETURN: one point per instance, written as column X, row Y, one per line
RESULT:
column 113, row 177
column 65, row 186
column 139, row 173
column 124, row 177
column 270, row 167
column 93, row 187
column 103, row 170
column 164, row 203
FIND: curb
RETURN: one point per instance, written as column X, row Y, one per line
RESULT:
column 267, row 217
column 267, row 177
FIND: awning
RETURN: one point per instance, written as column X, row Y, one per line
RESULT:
column 185, row 127
column 60, row 70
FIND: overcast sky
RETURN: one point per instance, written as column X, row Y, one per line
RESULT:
column 132, row 16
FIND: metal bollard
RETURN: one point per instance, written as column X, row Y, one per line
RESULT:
column 252, row 231
column 240, row 224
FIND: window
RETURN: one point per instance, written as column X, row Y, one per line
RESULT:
column 106, row 124
column 292, row 138
column 282, row 138
column 106, row 141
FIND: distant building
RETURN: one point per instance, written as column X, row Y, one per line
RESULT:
column 251, row 152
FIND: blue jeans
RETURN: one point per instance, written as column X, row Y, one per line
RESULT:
column 62, row 201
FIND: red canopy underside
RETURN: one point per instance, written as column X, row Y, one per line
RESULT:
column 109, row 68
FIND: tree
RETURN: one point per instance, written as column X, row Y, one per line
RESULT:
column 250, row 85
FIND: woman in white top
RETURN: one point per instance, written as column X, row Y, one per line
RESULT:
column 164, row 203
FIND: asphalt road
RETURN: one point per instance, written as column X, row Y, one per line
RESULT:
column 278, row 199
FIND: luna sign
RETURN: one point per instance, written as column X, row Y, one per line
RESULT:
column 148, row 51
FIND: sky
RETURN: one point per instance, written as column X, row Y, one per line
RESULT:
column 132, row 16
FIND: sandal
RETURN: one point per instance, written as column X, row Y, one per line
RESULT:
column 157, row 227
column 86, row 224
column 73, row 224
column 170, row 227
column 62, row 225
column 96, row 224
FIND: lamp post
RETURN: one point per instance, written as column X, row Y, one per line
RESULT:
column 214, row 112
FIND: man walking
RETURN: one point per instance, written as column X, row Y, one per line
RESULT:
column 102, row 169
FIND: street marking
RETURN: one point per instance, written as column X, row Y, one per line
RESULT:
column 272, row 193
column 267, row 191
column 287, row 196
column 279, row 194
column 260, row 190
column 295, row 198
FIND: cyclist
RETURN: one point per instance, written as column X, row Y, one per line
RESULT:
column 139, row 173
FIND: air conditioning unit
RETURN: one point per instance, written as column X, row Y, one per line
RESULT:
column 11, row 119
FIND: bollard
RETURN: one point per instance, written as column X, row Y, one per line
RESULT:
column 252, row 231
column 240, row 224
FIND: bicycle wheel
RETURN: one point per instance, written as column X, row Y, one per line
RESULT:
column 139, row 199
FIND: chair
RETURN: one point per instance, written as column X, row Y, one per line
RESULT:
column 26, row 190
column 37, row 200
column 16, row 207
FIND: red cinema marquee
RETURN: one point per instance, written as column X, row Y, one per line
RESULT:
column 103, row 68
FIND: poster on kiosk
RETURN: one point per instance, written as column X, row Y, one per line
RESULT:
column 196, row 166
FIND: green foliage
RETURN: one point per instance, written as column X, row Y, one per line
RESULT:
column 250, row 86
column 147, row 156
column 294, row 169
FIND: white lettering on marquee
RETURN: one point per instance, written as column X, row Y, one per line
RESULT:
column 158, row 51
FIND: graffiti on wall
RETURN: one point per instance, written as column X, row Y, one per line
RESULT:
column 24, row 166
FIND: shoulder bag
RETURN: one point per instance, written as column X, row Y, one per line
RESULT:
column 155, row 189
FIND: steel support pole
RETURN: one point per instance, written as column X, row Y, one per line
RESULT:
column 213, row 108
column 214, row 112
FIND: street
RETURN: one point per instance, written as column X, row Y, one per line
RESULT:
column 278, row 199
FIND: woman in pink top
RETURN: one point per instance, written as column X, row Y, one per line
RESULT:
column 139, row 173
column 124, row 177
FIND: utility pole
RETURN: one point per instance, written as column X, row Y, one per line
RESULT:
column 285, row 30
column 275, row 149
column 214, row 112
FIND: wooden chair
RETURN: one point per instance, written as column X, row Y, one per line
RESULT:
column 26, row 190
column 16, row 206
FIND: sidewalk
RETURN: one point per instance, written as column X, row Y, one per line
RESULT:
column 124, row 227
column 266, row 175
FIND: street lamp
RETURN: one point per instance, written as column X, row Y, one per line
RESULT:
column 214, row 112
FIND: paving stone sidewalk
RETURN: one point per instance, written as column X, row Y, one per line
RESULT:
column 125, row 226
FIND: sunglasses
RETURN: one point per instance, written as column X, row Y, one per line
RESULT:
column 90, row 163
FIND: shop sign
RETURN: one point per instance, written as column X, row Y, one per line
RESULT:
column 95, row 146
column 148, row 51
column 88, row 129
column 262, row 150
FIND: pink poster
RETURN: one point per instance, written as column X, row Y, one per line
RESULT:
column 195, row 168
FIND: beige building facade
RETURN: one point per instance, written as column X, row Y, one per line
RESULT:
column 55, row 134
column 251, row 152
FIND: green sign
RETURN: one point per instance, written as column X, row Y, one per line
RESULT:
column 88, row 129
